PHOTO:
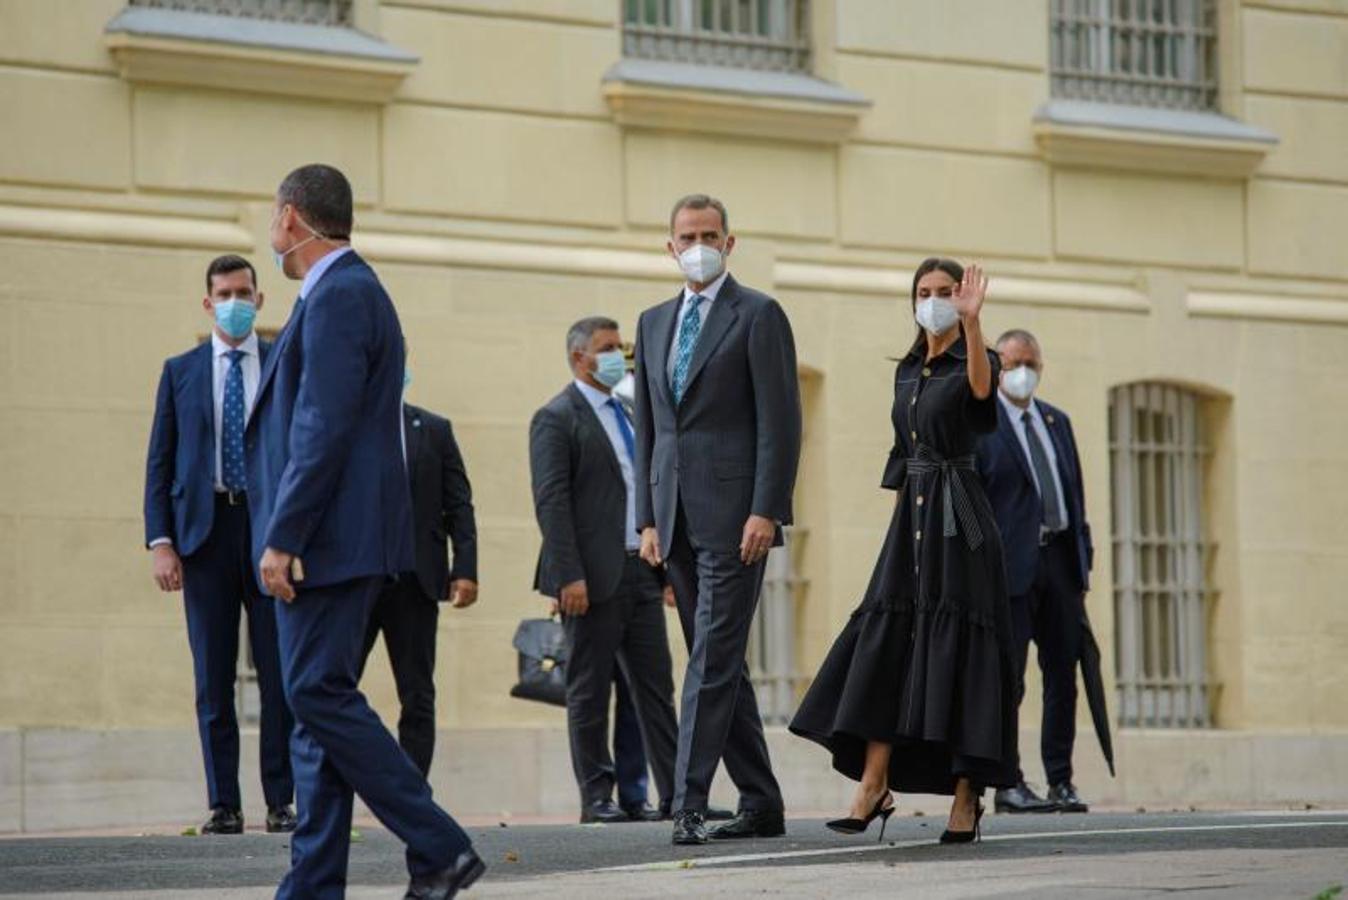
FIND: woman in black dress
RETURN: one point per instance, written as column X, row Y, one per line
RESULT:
column 918, row 692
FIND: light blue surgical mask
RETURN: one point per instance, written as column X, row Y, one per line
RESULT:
column 609, row 368
column 235, row 317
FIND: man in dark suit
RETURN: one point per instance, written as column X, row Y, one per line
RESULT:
column 581, row 457
column 718, row 443
column 332, row 522
column 1032, row 474
column 196, row 525
column 408, row 609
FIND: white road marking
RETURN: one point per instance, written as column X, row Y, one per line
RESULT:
column 711, row 861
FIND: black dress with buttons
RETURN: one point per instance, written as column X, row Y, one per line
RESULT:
column 927, row 662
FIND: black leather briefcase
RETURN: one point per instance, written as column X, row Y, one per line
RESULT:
column 542, row 648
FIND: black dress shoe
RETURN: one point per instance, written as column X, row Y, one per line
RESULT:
column 1065, row 798
column 224, row 820
column 719, row 814
column 604, row 811
column 281, row 819
column 689, row 827
column 1022, row 799
column 750, row 823
column 446, row 884
column 643, row 812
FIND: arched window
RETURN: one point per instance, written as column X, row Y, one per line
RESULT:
column 1160, row 553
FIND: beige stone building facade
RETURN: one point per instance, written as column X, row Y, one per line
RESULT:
column 1158, row 188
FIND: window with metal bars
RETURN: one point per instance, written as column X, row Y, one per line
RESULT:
column 770, row 35
column 772, row 637
column 1159, row 53
column 1161, row 595
column 301, row 12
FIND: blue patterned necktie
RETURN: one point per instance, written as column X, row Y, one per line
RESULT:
column 629, row 440
column 683, row 351
column 231, row 440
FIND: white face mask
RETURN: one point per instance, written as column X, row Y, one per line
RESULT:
column 936, row 314
column 1019, row 383
column 701, row 264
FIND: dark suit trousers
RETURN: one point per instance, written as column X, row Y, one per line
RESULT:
column 340, row 748
column 1051, row 614
column 629, row 752
column 626, row 630
column 218, row 583
column 408, row 619
column 717, row 595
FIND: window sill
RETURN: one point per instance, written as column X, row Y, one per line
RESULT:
column 159, row 46
column 1101, row 135
column 647, row 93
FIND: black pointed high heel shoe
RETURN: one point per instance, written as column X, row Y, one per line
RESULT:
column 859, row 826
column 966, row 837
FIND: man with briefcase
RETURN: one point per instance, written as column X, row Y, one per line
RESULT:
column 581, row 449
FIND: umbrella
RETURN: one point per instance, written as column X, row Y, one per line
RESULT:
column 1095, row 689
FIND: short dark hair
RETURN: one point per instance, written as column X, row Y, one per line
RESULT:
column 1019, row 334
column 322, row 196
column 223, row 265
column 578, row 335
column 700, row 201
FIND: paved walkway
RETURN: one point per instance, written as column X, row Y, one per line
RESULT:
column 1231, row 855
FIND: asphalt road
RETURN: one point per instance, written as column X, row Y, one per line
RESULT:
column 1112, row 855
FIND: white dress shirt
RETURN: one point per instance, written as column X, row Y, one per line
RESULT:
column 709, row 293
column 608, row 418
column 1041, row 429
column 252, row 373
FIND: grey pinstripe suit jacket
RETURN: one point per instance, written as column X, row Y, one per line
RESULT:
column 731, row 448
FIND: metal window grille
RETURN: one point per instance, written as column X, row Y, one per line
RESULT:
column 1136, row 52
column 745, row 34
column 302, row 12
column 1161, row 598
column 772, row 638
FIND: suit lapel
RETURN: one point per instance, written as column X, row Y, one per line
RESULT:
column 206, row 372
column 270, row 359
column 1066, row 474
column 413, row 426
column 724, row 312
column 1007, row 432
column 588, row 417
column 664, row 341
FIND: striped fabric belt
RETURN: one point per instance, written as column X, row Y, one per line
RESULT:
column 957, row 509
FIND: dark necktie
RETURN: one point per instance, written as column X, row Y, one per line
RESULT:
column 232, row 473
column 1043, row 472
column 629, row 440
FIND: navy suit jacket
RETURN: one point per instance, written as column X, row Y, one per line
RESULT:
column 1016, row 503
column 180, row 465
column 326, row 478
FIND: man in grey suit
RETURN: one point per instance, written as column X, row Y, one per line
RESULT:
column 718, row 442
column 582, row 459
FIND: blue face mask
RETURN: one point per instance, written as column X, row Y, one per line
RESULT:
column 235, row 317
column 609, row 367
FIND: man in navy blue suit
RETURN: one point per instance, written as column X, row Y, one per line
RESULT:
column 196, row 525
column 1032, row 474
column 332, row 523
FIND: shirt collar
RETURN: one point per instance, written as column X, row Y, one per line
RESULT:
column 710, row 291
column 597, row 398
column 320, row 268
column 918, row 351
column 1015, row 411
column 220, row 348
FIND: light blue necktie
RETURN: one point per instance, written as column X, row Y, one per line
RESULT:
column 232, row 473
column 683, row 351
column 624, row 428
